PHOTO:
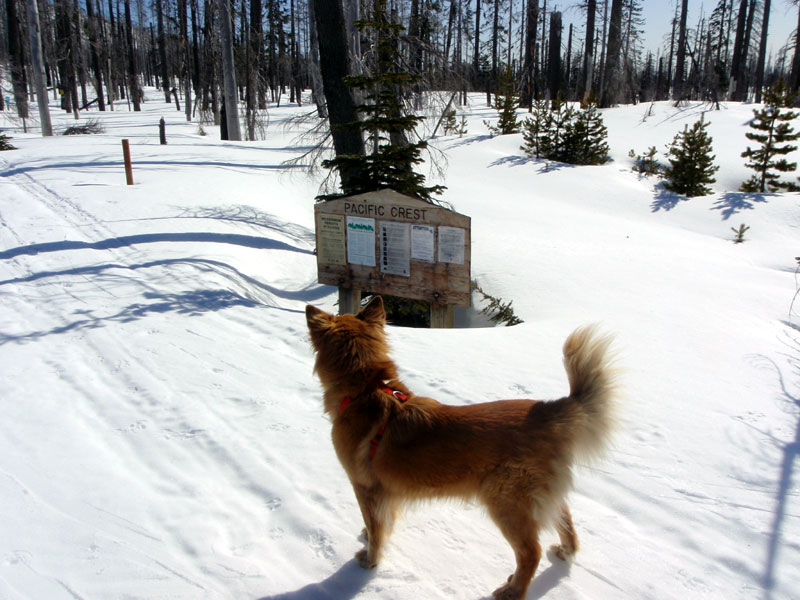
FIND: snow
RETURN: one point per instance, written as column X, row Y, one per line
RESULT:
column 162, row 432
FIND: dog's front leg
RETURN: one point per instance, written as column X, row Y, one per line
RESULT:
column 378, row 519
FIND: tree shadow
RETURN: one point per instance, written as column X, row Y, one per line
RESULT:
column 192, row 302
column 251, row 216
column 791, row 453
column 345, row 583
column 249, row 241
column 665, row 200
column 468, row 140
column 732, row 203
column 154, row 165
column 544, row 165
column 251, row 294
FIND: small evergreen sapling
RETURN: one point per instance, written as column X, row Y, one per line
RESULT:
column 691, row 163
column 646, row 163
column 4, row 142
column 506, row 103
column 739, row 233
column 774, row 132
column 535, row 131
column 452, row 126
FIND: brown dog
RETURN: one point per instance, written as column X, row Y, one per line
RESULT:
column 515, row 456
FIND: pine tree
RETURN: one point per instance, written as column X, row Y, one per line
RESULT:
column 390, row 165
column 691, row 164
column 558, row 141
column 535, row 131
column 773, row 132
column 506, row 103
column 585, row 142
column 565, row 134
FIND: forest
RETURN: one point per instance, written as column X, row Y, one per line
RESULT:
column 249, row 54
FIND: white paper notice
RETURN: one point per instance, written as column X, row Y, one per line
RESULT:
column 361, row 241
column 395, row 248
column 422, row 243
column 451, row 245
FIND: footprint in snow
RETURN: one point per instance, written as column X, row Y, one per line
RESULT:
column 322, row 544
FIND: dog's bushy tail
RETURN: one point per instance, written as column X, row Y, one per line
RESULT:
column 593, row 391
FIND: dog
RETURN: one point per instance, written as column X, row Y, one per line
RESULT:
column 514, row 456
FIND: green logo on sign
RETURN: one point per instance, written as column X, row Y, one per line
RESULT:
column 360, row 226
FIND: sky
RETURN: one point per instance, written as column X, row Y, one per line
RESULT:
column 658, row 14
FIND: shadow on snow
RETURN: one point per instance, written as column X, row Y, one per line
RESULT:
column 731, row 203
column 791, row 452
column 253, row 294
column 249, row 241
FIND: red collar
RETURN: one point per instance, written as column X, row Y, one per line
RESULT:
column 373, row 443
column 384, row 388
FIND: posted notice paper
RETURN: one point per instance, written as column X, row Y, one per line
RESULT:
column 361, row 241
column 451, row 245
column 422, row 243
column 395, row 248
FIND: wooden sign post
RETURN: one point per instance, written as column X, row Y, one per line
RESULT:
column 126, row 158
column 387, row 243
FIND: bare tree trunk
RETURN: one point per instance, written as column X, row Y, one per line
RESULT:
column 762, row 51
column 680, row 65
column 185, row 60
column 134, row 91
column 316, row 78
column 491, row 83
column 162, row 50
column 741, row 49
column 75, row 43
column 476, row 61
column 529, row 62
column 588, row 53
column 93, row 44
column 229, row 72
column 17, row 59
column 554, row 59
column 794, row 77
column 37, row 67
column 612, row 67
column 334, row 66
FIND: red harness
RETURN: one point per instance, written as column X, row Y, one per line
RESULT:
column 373, row 443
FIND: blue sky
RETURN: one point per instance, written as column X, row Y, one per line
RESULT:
column 658, row 15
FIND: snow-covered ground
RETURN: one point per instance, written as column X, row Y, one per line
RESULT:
column 162, row 433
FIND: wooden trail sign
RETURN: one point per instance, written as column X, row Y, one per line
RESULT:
column 388, row 243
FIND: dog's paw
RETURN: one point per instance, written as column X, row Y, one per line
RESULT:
column 507, row 592
column 366, row 562
column 563, row 552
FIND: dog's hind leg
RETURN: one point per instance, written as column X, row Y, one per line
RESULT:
column 566, row 532
column 378, row 512
column 514, row 517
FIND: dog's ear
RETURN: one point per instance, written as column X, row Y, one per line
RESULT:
column 373, row 312
column 316, row 318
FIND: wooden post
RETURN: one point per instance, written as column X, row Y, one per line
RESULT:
column 442, row 316
column 349, row 301
column 162, row 132
column 126, row 155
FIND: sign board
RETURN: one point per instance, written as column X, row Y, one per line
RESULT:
column 388, row 243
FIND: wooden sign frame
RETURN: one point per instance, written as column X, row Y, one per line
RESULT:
column 388, row 243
